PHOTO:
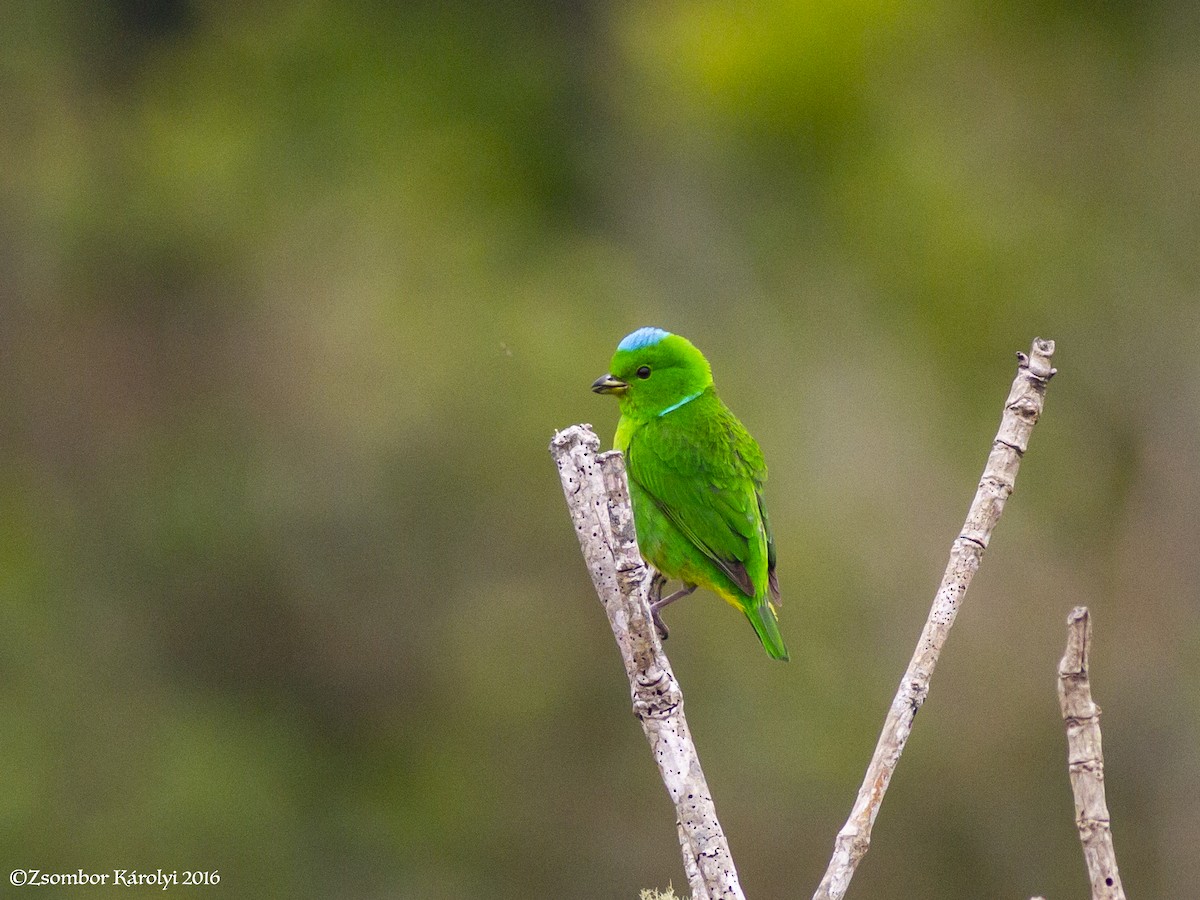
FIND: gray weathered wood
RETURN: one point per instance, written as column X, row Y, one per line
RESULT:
column 1085, row 759
column 598, row 498
column 1021, row 412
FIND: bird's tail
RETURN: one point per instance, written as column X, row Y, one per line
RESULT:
column 762, row 617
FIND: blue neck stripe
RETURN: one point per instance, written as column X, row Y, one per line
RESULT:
column 674, row 406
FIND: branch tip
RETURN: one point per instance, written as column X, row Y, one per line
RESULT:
column 581, row 434
column 1037, row 361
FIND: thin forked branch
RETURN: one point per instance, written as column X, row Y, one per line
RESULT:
column 1085, row 759
column 598, row 498
column 1021, row 412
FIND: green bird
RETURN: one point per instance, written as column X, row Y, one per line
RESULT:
column 695, row 480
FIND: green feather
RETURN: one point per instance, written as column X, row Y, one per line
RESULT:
column 696, row 478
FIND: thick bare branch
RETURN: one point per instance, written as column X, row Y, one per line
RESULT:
column 598, row 498
column 1021, row 412
column 1085, row 759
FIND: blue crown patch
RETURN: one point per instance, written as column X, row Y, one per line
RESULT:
column 643, row 337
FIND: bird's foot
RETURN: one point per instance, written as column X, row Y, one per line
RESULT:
column 657, row 582
column 663, row 634
column 661, row 601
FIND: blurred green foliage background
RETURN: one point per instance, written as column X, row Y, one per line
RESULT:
column 293, row 295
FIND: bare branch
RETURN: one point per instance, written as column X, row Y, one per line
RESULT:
column 1085, row 759
column 1021, row 412
column 598, row 498
column 690, row 867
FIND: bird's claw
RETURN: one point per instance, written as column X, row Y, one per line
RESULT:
column 663, row 634
column 656, row 582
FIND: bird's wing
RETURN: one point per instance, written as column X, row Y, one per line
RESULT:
column 751, row 456
column 771, row 578
column 696, row 471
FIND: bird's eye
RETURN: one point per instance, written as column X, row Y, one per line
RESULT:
column 643, row 372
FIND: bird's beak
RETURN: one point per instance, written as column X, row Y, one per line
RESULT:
column 606, row 384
